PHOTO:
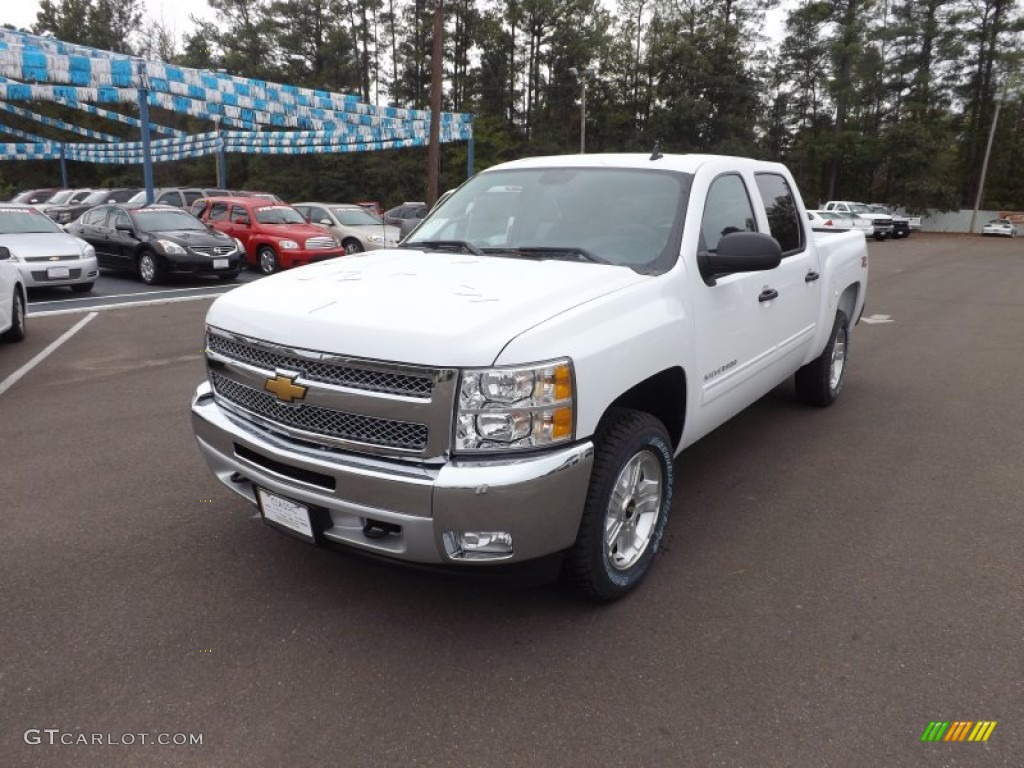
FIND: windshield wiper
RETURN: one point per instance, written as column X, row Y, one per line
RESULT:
column 559, row 251
column 442, row 245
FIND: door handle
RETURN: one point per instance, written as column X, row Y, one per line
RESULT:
column 768, row 294
column 811, row 276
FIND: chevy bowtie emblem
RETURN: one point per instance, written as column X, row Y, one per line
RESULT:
column 55, row 258
column 284, row 388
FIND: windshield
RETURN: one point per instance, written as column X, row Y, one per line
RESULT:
column 98, row 197
column 17, row 221
column 61, row 197
column 33, row 196
column 860, row 208
column 623, row 216
column 166, row 221
column 356, row 217
column 278, row 214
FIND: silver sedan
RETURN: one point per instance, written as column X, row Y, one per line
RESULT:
column 356, row 228
column 46, row 255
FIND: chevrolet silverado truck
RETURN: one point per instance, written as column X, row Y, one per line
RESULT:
column 881, row 223
column 516, row 378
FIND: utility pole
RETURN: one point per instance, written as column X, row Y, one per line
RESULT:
column 582, row 77
column 434, row 148
column 988, row 152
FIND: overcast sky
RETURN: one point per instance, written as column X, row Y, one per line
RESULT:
column 175, row 14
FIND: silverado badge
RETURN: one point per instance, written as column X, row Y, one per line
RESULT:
column 284, row 388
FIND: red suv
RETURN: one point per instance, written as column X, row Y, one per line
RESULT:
column 273, row 235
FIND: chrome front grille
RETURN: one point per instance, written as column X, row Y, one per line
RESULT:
column 336, row 402
column 325, row 372
column 323, row 421
column 213, row 250
column 62, row 257
column 321, row 243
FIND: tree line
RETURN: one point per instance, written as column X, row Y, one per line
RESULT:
column 877, row 100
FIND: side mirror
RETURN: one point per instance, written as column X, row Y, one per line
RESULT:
column 122, row 227
column 406, row 226
column 325, row 222
column 5, row 253
column 740, row 252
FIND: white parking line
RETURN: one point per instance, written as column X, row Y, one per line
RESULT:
column 126, row 295
column 121, row 305
column 11, row 380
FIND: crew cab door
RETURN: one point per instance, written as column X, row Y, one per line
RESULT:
column 793, row 313
column 734, row 341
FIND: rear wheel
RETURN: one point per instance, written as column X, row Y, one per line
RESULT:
column 627, row 506
column 18, row 329
column 821, row 380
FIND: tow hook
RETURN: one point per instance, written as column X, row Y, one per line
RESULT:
column 375, row 529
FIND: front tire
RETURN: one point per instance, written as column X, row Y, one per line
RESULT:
column 352, row 245
column 19, row 328
column 266, row 258
column 150, row 271
column 821, row 380
column 627, row 506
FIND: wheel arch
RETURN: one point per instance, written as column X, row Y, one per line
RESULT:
column 662, row 395
column 848, row 301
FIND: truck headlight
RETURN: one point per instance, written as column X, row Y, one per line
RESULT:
column 516, row 407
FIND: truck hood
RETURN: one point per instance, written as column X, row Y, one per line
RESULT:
column 435, row 309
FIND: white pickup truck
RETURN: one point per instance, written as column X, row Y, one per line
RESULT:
column 516, row 379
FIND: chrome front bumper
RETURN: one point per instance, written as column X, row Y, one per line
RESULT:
column 538, row 499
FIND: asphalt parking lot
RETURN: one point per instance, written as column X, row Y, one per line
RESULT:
column 832, row 581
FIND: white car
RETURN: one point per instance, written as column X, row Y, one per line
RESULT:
column 828, row 221
column 12, row 299
column 1003, row 227
column 46, row 255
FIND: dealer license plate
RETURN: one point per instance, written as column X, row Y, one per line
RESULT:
column 285, row 513
column 58, row 273
column 220, row 263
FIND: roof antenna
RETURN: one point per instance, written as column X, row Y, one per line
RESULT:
column 656, row 153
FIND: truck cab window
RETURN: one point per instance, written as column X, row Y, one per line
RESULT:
column 780, row 206
column 727, row 210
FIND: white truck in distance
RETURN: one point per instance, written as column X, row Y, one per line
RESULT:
column 516, row 379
